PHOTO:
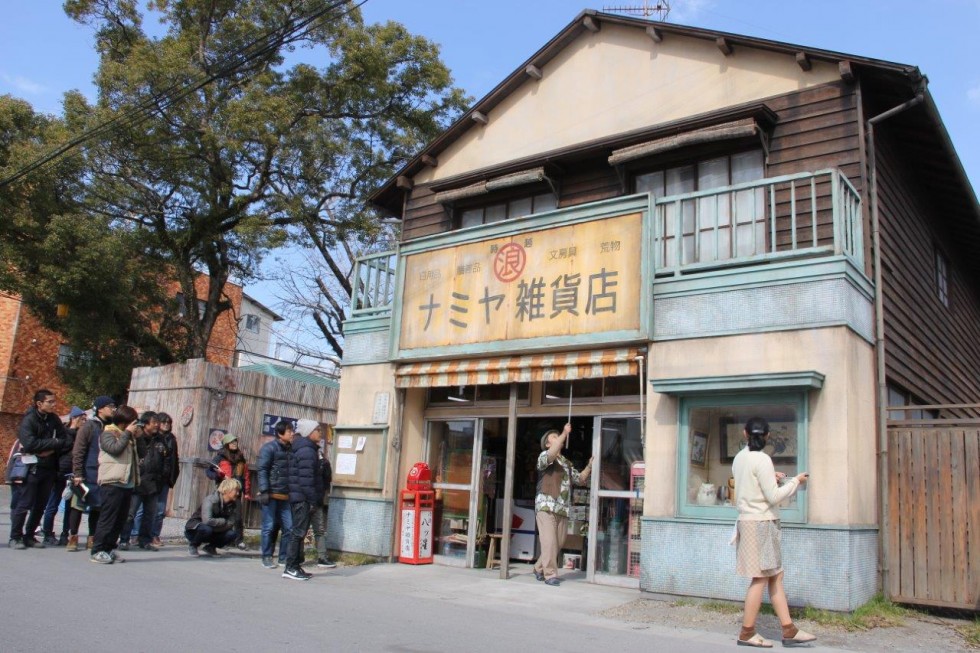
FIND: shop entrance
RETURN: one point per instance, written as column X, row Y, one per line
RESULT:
column 468, row 458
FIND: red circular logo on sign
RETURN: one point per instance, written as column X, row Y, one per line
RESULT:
column 509, row 262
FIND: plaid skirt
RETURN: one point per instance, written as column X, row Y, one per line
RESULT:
column 758, row 553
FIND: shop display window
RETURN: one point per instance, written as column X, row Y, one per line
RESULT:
column 711, row 434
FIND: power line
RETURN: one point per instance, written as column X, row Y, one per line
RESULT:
column 160, row 101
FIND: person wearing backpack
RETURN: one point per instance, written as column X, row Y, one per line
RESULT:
column 150, row 454
column 42, row 439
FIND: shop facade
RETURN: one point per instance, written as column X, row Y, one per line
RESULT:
column 656, row 232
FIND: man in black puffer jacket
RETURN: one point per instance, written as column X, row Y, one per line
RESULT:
column 42, row 437
column 305, row 490
column 275, row 460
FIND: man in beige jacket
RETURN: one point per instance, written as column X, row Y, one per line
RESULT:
column 118, row 476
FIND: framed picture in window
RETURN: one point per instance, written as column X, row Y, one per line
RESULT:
column 699, row 449
column 782, row 446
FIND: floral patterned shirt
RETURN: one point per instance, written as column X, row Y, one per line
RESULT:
column 546, row 503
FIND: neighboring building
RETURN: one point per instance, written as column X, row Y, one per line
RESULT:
column 663, row 231
column 254, row 333
column 31, row 355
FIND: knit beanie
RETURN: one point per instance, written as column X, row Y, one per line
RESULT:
column 306, row 426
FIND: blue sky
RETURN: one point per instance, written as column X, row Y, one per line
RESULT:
column 43, row 54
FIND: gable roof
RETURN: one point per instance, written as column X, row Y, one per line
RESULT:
column 885, row 84
column 388, row 196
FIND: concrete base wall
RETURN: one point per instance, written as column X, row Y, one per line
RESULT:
column 828, row 568
column 360, row 526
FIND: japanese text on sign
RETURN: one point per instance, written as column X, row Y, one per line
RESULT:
column 577, row 279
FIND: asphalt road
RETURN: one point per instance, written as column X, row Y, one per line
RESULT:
column 167, row 601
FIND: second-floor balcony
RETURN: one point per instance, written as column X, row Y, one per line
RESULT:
column 755, row 223
column 806, row 214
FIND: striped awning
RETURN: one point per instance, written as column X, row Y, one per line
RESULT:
column 566, row 366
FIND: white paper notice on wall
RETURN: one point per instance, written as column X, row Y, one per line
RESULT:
column 381, row 401
column 345, row 441
column 361, row 441
column 346, row 464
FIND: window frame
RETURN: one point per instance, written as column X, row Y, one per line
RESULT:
column 250, row 317
column 941, row 266
column 798, row 398
column 694, row 160
column 477, row 402
column 66, row 357
column 506, row 201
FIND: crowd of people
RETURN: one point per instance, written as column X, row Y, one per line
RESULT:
column 119, row 467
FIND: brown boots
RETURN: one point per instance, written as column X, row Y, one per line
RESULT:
column 72, row 543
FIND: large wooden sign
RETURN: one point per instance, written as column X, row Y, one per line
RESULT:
column 583, row 278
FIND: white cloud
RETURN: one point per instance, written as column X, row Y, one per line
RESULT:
column 22, row 84
column 973, row 94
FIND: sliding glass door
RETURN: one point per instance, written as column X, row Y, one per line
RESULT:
column 617, row 501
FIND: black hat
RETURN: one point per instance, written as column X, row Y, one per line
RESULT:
column 757, row 426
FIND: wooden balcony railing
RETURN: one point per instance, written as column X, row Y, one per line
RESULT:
column 374, row 284
column 807, row 214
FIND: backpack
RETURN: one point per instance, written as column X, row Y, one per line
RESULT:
column 17, row 469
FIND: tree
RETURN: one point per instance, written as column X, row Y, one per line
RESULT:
column 219, row 151
column 44, row 227
column 318, row 293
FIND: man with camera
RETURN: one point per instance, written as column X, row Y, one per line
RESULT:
column 150, row 452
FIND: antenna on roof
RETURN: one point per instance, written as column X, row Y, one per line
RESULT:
column 661, row 8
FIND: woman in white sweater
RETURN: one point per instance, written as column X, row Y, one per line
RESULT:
column 757, row 494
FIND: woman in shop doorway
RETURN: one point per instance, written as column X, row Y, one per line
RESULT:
column 556, row 475
column 757, row 494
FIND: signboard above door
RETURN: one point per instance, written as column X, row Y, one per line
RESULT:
column 573, row 282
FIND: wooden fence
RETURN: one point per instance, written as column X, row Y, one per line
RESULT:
column 934, row 513
column 202, row 397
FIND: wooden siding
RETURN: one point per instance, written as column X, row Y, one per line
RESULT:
column 931, row 350
column 933, row 503
column 817, row 128
column 226, row 398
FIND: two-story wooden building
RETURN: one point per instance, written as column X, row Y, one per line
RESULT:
column 660, row 231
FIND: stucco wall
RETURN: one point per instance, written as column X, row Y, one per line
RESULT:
column 615, row 81
column 842, row 414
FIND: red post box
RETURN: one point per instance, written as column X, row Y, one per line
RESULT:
column 416, row 505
